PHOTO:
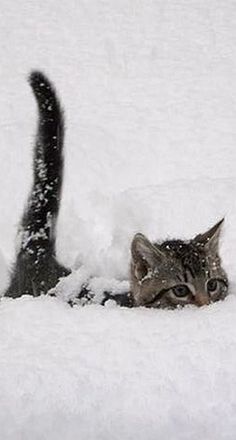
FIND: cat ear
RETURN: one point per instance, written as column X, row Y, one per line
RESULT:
column 210, row 239
column 145, row 255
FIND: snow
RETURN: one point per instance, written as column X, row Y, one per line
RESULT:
column 150, row 102
column 98, row 373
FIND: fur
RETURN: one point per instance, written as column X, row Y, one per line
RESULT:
column 176, row 273
column 36, row 269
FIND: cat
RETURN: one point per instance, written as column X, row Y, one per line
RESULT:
column 167, row 275
column 36, row 269
column 176, row 273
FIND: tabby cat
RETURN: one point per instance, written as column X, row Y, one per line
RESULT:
column 167, row 275
column 175, row 272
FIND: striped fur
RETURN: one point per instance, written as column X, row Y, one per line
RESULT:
column 176, row 273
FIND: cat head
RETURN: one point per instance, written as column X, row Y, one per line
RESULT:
column 175, row 272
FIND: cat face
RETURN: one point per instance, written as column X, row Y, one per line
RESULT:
column 175, row 273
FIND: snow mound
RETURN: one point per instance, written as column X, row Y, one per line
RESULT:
column 97, row 373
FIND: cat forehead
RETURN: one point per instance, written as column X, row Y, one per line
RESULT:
column 188, row 254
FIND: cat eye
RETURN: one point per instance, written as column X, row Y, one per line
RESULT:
column 215, row 285
column 181, row 290
column 212, row 285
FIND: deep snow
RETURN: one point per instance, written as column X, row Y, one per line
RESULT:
column 150, row 100
column 98, row 373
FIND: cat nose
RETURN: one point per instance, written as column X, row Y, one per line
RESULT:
column 202, row 299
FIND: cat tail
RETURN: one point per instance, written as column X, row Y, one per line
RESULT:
column 36, row 269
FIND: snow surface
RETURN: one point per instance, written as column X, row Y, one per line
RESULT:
column 150, row 99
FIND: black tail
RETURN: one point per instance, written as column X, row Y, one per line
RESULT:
column 38, row 222
column 36, row 269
